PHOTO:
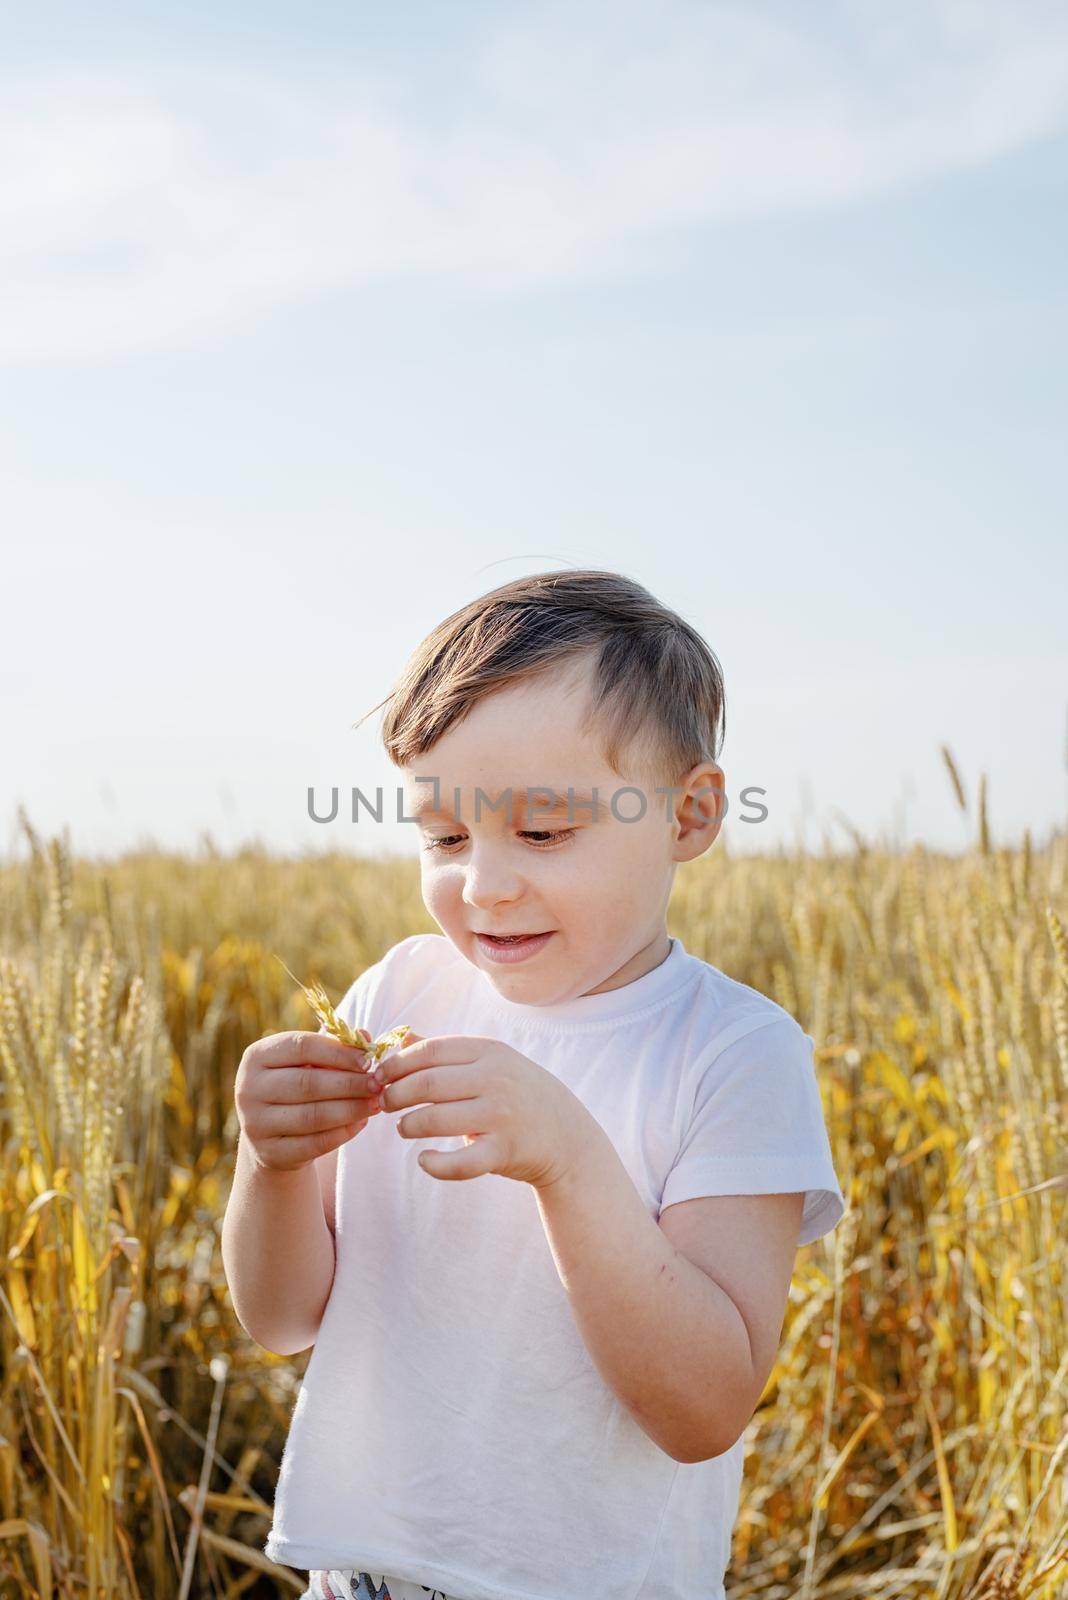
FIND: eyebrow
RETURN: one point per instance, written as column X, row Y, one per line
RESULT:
column 582, row 801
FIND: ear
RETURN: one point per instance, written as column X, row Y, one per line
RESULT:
column 699, row 812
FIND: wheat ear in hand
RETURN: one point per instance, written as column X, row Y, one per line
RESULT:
column 319, row 1001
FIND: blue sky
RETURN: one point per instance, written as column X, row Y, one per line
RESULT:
column 319, row 321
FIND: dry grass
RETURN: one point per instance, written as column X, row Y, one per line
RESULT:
column 912, row 1440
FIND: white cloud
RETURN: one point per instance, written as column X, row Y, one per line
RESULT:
column 137, row 212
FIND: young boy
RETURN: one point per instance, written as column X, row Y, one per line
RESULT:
column 545, row 1299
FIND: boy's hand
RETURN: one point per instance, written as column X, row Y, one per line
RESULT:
column 515, row 1117
column 299, row 1095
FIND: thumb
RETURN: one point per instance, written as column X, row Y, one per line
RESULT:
column 400, row 1044
column 395, row 1048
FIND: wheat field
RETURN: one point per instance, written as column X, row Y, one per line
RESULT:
column 913, row 1438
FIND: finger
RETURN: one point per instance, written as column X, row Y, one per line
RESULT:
column 445, row 1049
column 300, row 1150
column 436, row 1084
column 473, row 1161
column 467, row 1117
column 312, row 1116
column 410, row 1038
column 375, row 1069
column 286, row 1085
column 293, row 1047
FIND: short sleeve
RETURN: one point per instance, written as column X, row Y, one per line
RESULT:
column 757, row 1127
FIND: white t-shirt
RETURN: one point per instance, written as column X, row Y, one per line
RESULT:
column 451, row 1428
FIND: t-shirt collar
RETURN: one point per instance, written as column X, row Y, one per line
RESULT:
column 612, row 1004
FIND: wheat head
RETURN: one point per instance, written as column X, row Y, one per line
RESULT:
column 359, row 1038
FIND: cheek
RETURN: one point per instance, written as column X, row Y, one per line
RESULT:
column 440, row 888
column 428, row 880
column 638, row 852
column 584, row 880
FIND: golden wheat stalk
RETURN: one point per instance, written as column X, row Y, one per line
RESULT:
column 359, row 1038
column 1060, row 942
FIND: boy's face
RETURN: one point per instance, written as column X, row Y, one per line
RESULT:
column 599, row 889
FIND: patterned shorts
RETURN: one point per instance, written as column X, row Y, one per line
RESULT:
column 348, row 1584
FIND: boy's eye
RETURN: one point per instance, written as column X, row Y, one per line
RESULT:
column 543, row 839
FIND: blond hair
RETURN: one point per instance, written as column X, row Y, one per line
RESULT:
column 658, row 694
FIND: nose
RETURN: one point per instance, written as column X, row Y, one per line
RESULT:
column 490, row 879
